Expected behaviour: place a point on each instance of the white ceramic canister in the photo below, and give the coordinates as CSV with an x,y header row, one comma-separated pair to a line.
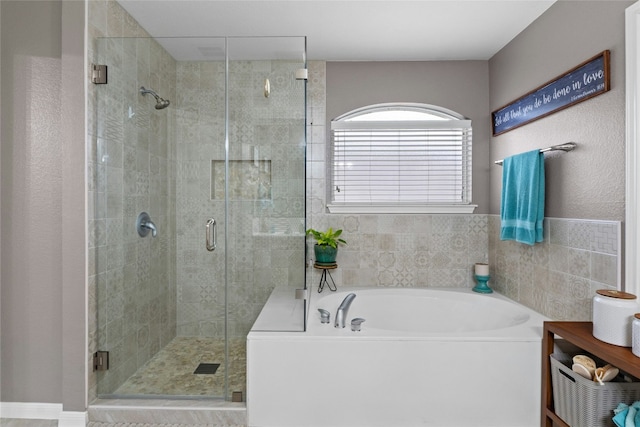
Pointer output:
x,y
613,313
635,332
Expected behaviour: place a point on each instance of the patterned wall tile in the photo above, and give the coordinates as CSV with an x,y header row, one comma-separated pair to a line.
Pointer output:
x,y
559,258
576,259
559,232
606,238
579,263
604,268
580,234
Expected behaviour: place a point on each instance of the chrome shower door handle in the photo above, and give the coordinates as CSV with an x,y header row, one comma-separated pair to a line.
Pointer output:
x,y
211,244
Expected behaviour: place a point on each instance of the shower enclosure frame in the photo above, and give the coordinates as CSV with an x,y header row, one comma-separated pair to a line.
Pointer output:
x,y
107,142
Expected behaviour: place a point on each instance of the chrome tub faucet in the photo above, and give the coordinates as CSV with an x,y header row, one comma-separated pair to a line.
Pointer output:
x,y
341,314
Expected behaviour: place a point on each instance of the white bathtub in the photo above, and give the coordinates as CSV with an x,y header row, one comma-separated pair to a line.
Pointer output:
x,y
424,357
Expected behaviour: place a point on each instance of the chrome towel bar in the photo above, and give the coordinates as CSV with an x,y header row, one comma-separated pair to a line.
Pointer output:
x,y
569,146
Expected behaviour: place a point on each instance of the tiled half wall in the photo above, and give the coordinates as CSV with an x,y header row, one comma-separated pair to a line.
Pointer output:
x,y
557,277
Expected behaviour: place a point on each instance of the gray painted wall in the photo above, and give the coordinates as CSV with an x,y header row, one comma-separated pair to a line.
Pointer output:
x,y
461,86
589,182
0,202
74,264
42,221
31,207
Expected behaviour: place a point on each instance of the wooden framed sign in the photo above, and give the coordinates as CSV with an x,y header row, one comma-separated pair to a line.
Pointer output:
x,y
589,79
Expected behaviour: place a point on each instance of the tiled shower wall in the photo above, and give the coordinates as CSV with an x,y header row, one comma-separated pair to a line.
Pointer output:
x,y
557,277
266,200
200,137
267,231
131,162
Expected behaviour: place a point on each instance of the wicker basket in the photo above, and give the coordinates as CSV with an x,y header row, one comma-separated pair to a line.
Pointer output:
x,y
584,403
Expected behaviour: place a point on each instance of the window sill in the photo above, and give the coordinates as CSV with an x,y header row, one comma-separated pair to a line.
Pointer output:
x,y
401,209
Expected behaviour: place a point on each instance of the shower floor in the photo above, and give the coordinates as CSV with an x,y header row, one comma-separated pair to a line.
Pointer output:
x,y
170,371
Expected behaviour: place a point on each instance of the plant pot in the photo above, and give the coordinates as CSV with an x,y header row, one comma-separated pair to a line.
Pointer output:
x,y
325,254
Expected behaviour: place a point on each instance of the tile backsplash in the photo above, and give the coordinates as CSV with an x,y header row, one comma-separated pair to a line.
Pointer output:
x,y
408,250
559,276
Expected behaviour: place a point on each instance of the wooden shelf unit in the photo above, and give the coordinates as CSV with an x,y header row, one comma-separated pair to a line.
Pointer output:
x,y
579,334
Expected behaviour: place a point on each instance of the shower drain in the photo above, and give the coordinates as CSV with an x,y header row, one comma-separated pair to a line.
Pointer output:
x,y
207,368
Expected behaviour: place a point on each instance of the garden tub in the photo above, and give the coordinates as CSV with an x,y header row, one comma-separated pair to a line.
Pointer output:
x,y
423,357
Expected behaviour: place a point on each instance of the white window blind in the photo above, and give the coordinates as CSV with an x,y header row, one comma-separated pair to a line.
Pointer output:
x,y
410,162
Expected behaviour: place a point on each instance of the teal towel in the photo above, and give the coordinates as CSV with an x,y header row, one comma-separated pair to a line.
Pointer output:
x,y
627,416
522,208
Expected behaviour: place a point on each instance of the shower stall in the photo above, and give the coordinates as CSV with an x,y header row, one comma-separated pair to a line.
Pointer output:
x,y
197,183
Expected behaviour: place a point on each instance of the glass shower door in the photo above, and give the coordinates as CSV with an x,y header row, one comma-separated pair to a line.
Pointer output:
x,y
257,187
266,198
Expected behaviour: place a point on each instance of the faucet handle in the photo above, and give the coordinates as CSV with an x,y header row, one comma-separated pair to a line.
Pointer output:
x,y
356,324
144,225
325,316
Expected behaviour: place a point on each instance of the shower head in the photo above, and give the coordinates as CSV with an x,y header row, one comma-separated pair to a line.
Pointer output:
x,y
160,102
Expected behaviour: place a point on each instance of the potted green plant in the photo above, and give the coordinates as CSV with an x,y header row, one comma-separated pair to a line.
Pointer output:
x,y
326,247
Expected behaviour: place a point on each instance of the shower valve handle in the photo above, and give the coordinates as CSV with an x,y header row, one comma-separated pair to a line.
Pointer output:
x,y
144,225
211,244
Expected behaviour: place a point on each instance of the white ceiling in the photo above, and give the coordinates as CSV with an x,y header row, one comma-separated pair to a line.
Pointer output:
x,y
355,30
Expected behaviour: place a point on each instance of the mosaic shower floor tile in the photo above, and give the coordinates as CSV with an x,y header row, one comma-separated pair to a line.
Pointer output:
x,y
171,371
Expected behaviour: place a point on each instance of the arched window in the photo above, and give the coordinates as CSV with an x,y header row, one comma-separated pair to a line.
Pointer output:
x,y
401,158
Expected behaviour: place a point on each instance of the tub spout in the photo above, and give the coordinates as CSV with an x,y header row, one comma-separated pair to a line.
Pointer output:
x,y
341,314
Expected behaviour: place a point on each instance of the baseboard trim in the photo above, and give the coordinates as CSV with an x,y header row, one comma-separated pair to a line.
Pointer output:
x,y
43,411
33,411
72,419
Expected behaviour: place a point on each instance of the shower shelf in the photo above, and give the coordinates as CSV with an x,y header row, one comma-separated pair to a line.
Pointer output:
x,y
278,227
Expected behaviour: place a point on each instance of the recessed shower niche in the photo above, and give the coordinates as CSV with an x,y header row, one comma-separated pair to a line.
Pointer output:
x,y
248,180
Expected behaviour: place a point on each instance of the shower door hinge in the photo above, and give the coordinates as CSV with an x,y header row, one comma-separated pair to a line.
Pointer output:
x,y
302,74
301,294
100,360
99,74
